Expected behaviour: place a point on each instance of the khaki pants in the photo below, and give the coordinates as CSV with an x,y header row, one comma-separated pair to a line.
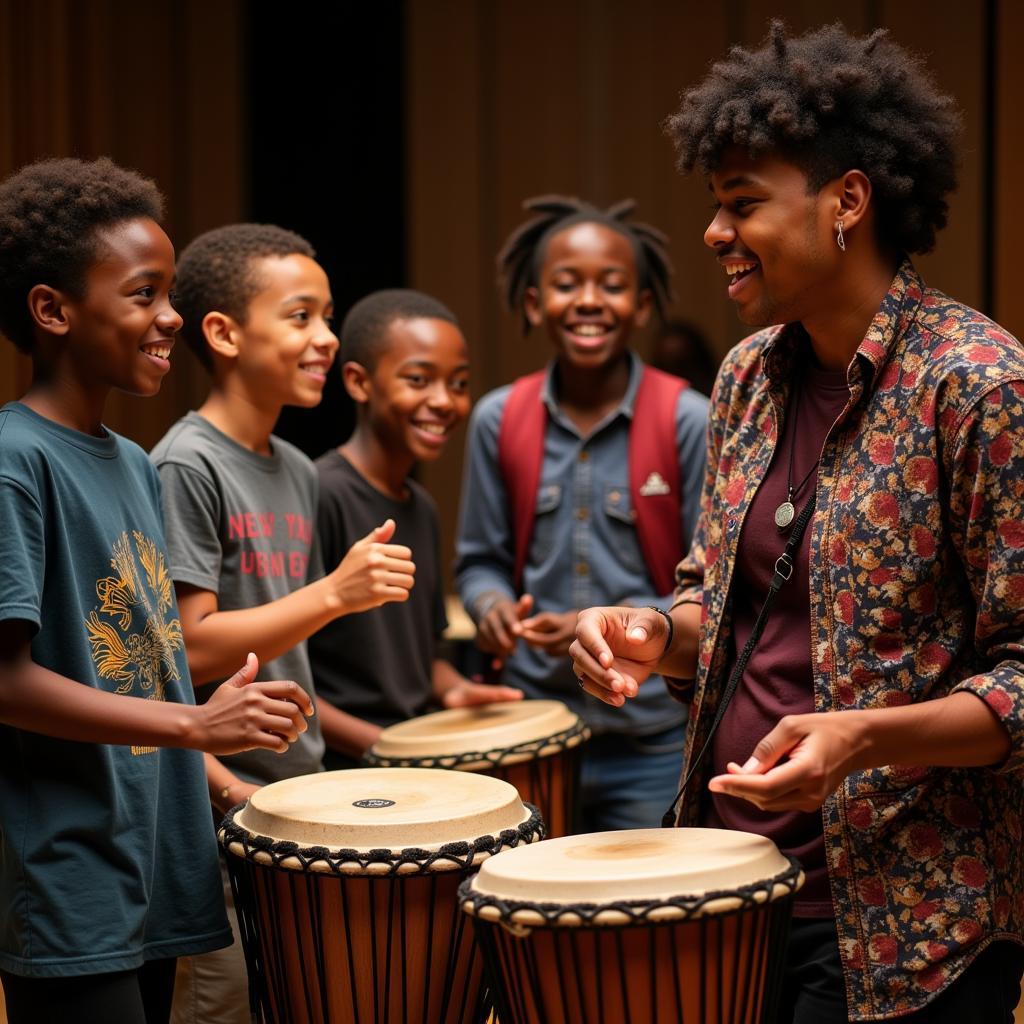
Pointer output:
x,y
213,988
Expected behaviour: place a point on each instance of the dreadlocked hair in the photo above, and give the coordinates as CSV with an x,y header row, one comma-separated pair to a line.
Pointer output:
x,y
521,257
829,102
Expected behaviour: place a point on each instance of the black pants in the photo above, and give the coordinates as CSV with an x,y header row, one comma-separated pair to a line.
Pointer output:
x,y
814,991
142,996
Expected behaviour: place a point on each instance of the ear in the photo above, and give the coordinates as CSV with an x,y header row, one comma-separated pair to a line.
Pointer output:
x,y
531,306
644,305
222,334
356,379
852,195
47,307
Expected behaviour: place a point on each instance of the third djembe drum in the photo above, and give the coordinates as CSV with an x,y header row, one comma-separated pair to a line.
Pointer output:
x,y
533,744
673,926
345,885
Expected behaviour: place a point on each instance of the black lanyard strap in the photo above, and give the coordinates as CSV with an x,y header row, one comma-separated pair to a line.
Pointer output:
x,y
783,571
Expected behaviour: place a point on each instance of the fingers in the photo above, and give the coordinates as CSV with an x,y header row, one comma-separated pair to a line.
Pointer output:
x,y
505,693
783,788
496,628
280,690
383,533
590,637
247,673
524,606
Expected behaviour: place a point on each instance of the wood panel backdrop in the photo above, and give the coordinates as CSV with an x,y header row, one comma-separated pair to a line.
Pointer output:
x,y
503,99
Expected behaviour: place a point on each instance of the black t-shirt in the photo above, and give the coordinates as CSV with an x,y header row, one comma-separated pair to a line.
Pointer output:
x,y
377,664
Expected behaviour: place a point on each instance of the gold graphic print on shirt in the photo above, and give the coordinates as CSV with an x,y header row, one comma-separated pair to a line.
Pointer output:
x,y
132,640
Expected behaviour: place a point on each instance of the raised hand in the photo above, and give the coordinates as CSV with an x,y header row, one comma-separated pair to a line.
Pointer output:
x,y
373,572
243,714
551,632
498,629
616,649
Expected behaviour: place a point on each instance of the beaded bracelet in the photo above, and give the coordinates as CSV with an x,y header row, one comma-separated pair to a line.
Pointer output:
x,y
671,627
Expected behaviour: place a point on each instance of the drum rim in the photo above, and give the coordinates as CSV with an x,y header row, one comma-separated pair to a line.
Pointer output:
x,y
288,855
521,916
497,757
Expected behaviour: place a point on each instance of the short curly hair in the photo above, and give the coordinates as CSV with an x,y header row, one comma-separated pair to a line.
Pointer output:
x,y
365,327
50,212
216,274
830,101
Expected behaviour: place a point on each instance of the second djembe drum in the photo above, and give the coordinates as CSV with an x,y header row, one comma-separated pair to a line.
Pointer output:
x,y
533,744
673,926
345,885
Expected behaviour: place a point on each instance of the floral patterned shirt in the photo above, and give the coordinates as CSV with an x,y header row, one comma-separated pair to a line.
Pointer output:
x,y
917,590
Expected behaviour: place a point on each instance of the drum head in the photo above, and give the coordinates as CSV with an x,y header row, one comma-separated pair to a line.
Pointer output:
x,y
383,809
642,864
484,727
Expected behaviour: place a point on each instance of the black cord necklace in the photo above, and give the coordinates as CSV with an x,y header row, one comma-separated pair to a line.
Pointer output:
x,y
786,512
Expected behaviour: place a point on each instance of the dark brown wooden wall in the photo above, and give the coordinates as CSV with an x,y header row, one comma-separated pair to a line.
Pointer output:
x,y
515,98
157,85
505,99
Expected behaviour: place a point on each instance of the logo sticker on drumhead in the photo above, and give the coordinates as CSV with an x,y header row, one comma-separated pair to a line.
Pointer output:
x,y
373,803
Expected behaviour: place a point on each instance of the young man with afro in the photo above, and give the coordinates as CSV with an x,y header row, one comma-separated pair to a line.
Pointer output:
x,y
108,867
877,730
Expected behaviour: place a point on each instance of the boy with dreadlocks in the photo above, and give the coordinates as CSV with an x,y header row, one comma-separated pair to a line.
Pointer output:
x,y
876,728
579,479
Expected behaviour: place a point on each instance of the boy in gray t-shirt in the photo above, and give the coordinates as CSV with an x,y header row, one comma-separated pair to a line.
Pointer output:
x,y
240,506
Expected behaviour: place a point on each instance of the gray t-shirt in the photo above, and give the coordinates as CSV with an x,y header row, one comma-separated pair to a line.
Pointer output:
x,y
243,525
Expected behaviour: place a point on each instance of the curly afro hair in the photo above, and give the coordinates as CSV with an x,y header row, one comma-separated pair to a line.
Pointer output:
x,y
364,329
522,255
216,273
830,102
50,212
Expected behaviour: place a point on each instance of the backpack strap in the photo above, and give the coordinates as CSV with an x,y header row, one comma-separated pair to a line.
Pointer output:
x,y
520,456
654,479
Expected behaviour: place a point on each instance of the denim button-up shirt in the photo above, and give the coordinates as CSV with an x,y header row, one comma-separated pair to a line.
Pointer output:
x,y
916,590
584,550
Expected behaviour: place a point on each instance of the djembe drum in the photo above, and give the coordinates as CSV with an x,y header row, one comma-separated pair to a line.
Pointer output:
x,y
532,744
345,885
651,925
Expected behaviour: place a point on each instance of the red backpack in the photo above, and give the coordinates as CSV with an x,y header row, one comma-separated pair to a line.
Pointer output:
x,y
654,479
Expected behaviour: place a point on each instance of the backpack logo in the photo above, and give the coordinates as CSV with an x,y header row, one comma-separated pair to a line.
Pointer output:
x,y
654,485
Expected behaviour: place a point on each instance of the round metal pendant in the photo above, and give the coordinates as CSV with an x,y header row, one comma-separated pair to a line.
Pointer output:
x,y
784,515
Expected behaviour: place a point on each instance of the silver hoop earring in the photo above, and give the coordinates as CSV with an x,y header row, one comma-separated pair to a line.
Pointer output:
x,y
840,241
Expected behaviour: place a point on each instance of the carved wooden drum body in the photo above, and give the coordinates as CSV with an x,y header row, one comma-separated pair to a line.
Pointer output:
x,y
345,885
674,926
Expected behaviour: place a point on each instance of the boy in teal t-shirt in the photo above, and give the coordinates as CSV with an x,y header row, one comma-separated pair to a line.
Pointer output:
x,y
107,858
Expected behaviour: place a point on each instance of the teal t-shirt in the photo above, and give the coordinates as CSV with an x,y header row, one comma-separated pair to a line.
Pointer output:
x,y
107,853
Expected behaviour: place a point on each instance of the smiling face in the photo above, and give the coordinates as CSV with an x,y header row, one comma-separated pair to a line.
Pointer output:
x,y
287,345
774,238
418,391
120,332
588,297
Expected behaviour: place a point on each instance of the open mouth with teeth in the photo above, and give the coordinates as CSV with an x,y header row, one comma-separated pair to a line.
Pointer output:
x,y
738,272
157,349
318,369
437,429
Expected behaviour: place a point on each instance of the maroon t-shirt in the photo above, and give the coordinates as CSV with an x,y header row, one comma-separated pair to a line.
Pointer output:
x,y
778,679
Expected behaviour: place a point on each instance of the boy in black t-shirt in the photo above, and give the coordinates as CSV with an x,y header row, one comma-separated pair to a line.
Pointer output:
x,y
405,365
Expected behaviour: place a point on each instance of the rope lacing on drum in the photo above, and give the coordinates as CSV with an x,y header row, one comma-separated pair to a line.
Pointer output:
x,y
757,894
456,856
560,741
